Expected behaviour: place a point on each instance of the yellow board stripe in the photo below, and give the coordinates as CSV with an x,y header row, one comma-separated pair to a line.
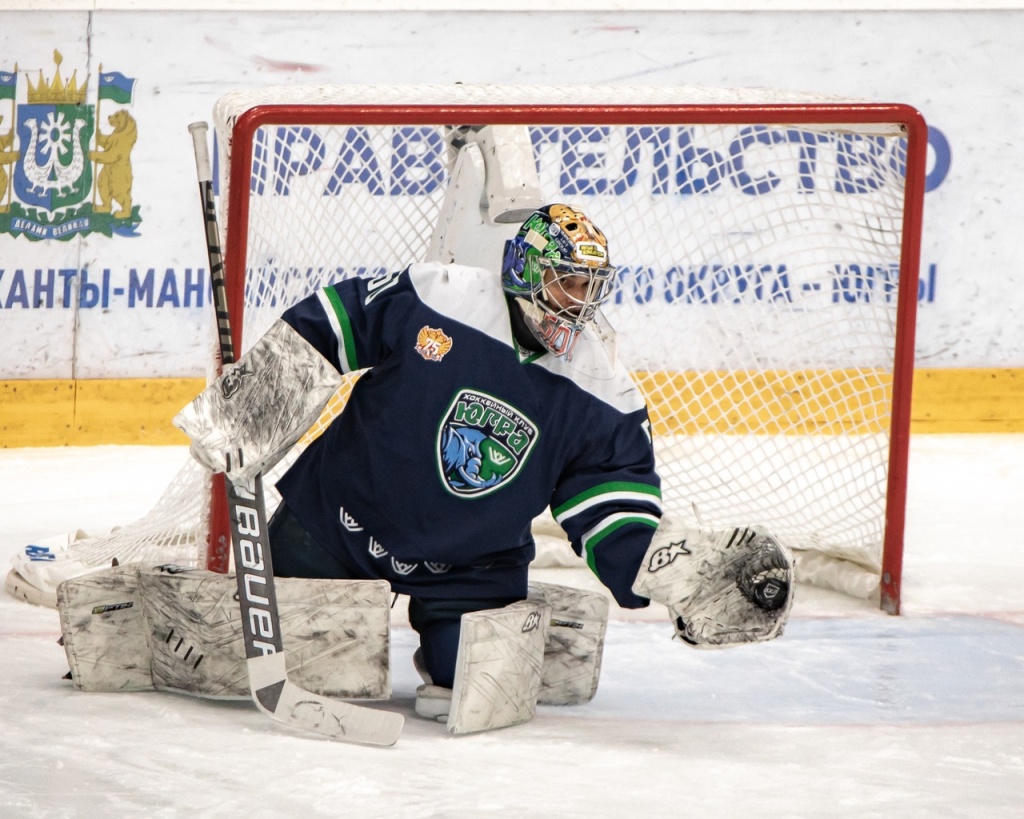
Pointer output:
x,y
139,411
91,412
968,400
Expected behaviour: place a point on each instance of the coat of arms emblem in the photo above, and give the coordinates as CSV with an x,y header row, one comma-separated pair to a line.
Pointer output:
x,y
62,173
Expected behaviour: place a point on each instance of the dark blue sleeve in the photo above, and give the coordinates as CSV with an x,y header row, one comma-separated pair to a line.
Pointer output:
x,y
609,501
350,322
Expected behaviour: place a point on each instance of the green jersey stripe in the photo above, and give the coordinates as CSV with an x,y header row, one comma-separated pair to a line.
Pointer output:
x,y
615,490
342,326
608,525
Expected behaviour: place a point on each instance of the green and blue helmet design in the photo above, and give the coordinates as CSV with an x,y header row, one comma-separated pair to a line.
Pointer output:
x,y
557,267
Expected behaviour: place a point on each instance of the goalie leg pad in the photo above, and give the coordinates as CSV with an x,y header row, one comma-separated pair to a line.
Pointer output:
x,y
247,420
574,643
336,634
498,671
104,631
132,628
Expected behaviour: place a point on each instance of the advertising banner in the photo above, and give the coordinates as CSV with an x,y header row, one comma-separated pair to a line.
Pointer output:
x,y
103,270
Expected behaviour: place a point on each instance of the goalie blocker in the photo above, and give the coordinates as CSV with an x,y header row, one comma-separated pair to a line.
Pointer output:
x,y
721,588
249,418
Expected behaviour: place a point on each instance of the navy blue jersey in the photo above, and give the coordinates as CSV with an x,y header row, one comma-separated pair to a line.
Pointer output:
x,y
455,439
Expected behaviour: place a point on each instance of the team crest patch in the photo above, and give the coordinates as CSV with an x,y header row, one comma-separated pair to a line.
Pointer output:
x,y
432,344
482,443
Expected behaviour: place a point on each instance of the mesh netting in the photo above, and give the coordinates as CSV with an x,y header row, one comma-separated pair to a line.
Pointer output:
x,y
759,268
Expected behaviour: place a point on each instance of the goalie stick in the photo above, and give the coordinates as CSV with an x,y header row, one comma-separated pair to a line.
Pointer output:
x,y
274,694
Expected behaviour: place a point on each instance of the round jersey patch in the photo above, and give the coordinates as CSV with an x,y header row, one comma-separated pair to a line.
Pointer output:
x,y
482,443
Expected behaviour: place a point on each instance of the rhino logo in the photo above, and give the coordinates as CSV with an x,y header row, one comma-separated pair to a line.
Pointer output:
x,y
482,444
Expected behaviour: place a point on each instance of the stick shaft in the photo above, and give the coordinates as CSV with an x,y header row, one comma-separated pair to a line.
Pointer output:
x,y
271,689
213,247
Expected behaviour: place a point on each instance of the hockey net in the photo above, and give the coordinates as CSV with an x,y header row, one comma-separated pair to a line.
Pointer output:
x,y
767,247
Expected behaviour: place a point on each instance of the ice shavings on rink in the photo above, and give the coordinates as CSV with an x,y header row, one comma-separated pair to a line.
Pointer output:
x,y
852,713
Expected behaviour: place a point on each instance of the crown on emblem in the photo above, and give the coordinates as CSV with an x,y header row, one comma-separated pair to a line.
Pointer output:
x,y
56,91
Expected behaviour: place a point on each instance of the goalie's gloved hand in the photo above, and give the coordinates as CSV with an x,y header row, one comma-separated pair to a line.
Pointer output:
x,y
766,576
247,419
721,588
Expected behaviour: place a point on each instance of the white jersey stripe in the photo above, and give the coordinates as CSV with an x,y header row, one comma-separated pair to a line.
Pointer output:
x,y
605,526
609,497
604,523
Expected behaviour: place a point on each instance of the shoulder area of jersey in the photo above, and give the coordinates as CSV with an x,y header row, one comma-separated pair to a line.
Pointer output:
x,y
470,295
453,276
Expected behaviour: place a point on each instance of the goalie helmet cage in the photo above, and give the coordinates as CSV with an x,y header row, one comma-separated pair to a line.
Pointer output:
x,y
768,251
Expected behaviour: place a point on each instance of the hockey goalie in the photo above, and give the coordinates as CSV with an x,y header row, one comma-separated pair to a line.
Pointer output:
x,y
489,396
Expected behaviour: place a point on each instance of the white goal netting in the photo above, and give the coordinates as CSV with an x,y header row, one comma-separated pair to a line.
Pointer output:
x,y
766,247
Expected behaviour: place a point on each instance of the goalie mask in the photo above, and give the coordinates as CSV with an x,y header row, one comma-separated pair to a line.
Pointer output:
x,y
556,267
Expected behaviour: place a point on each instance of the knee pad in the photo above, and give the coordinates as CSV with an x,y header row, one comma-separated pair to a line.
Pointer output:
x,y
574,643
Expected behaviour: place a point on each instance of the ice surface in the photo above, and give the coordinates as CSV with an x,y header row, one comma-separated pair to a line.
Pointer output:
x,y
851,713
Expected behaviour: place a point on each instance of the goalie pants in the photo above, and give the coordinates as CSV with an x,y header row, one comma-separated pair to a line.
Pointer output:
x,y
437,621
